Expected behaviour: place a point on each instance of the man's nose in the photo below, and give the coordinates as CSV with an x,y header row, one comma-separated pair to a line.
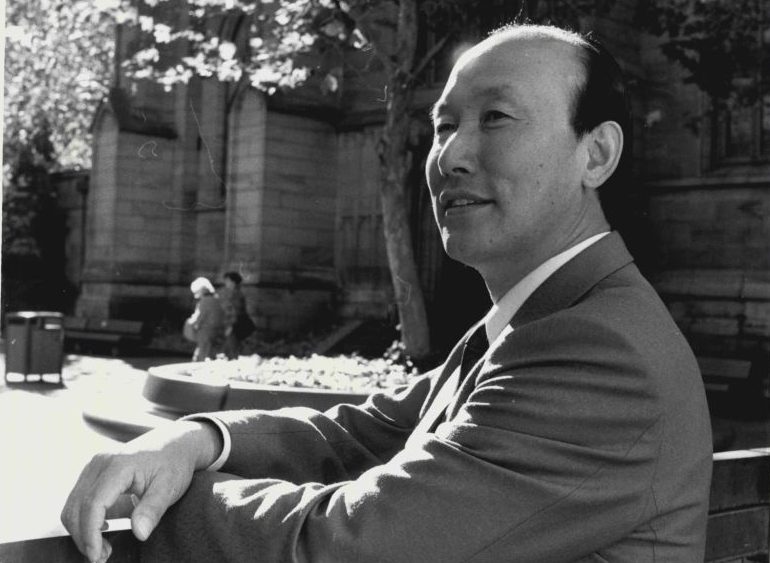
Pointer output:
x,y
457,155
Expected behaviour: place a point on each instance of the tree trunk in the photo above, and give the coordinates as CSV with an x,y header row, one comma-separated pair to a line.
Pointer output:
x,y
392,151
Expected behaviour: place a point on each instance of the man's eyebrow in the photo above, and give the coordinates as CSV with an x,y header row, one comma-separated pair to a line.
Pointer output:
x,y
505,92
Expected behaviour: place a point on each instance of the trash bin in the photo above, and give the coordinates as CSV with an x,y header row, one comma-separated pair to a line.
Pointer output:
x,y
34,346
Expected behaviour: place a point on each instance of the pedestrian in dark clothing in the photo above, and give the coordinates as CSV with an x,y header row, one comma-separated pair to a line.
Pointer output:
x,y
238,324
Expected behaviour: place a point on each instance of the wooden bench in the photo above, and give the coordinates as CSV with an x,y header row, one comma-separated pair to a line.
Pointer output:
x,y
112,332
738,522
739,507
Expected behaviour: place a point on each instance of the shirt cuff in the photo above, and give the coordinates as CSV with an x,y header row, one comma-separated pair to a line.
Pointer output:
x,y
223,431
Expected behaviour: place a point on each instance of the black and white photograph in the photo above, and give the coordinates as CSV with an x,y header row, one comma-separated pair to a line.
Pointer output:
x,y
385,281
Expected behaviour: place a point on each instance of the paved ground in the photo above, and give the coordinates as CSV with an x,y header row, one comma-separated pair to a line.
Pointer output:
x,y
44,441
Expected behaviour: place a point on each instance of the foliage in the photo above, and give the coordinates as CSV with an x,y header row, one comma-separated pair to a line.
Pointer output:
x,y
57,67
720,43
27,178
58,63
30,276
279,44
58,59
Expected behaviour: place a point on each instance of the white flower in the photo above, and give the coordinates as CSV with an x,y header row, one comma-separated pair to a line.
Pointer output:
x,y
146,23
162,33
227,50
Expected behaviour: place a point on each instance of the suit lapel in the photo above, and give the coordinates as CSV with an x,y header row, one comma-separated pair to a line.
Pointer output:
x,y
574,279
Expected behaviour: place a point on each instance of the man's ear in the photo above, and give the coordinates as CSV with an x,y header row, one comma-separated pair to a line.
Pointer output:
x,y
604,146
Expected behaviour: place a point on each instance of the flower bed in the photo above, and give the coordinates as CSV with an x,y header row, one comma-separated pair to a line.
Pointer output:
x,y
341,373
315,381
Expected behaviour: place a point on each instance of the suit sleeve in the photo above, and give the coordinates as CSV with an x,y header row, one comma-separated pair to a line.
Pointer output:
x,y
300,444
548,458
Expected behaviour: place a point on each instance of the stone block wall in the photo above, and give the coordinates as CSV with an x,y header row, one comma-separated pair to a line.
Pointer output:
x,y
143,222
714,246
710,223
300,195
282,189
360,258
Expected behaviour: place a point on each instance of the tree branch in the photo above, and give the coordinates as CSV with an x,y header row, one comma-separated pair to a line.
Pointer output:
x,y
361,25
420,66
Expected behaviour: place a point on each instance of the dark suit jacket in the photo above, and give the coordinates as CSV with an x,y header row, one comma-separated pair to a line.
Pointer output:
x,y
582,435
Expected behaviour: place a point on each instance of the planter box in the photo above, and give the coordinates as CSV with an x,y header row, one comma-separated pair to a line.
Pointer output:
x,y
172,391
169,394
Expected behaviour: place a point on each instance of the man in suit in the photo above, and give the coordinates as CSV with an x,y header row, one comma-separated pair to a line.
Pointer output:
x,y
569,424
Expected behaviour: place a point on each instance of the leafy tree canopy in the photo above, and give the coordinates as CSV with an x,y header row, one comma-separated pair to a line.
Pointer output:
x,y
58,63
724,45
275,44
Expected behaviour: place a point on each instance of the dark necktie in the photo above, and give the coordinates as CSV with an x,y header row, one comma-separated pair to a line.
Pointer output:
x,y
473,350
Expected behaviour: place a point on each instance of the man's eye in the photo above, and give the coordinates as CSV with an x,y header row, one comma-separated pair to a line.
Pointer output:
x,y
492,116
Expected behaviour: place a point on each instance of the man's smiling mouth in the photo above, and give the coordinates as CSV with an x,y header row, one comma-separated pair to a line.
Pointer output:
x,y
461,204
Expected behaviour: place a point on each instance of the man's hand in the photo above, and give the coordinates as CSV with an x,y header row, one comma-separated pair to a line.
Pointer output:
x,y
157,468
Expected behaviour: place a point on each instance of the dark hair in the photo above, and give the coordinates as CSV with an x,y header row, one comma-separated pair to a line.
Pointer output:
x,y
602,96
235,276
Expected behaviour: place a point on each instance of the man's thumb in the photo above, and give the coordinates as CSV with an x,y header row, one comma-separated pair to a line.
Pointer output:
x,y
143,521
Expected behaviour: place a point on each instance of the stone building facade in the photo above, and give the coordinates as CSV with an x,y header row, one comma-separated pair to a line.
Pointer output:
x,y
283,189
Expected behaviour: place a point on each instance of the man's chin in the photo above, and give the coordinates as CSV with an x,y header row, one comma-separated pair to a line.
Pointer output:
x,y
461,251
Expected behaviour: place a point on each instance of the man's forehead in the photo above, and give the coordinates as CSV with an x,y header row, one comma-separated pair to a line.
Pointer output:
x,y
509,68
508,52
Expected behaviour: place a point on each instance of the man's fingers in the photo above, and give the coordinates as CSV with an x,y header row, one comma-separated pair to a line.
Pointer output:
x,y
70,515
122,508
91,519
111,482
105,553
156,467
161,493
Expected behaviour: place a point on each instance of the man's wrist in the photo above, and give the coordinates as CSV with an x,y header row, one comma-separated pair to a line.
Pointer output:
x,y
220,442
208,442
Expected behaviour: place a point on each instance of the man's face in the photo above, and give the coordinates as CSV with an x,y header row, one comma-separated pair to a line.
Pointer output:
x,y
505,168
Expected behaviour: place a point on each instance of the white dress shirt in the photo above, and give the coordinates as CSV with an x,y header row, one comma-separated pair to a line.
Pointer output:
x,y
501,313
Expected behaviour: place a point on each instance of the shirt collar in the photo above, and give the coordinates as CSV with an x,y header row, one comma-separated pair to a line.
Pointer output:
x,y
503,311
